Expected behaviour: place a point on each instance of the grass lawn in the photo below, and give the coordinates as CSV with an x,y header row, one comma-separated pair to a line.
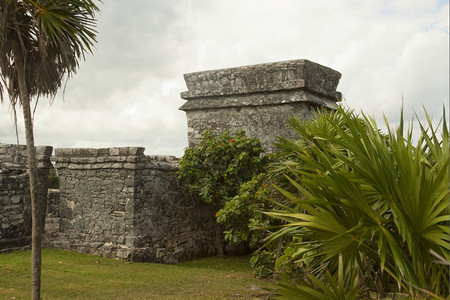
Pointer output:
x,y
69,275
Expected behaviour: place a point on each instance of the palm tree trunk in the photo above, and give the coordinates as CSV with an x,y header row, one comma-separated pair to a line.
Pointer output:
x,y
36,229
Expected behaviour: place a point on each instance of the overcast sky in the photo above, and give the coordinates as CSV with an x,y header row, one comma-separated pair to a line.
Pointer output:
x,y
128,92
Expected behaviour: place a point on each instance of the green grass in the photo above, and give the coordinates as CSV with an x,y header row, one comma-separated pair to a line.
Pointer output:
x,y
69,275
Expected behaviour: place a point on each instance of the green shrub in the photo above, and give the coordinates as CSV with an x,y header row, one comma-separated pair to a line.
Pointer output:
x,y
243,212
262,263
216,169
379,203
245,222
219,165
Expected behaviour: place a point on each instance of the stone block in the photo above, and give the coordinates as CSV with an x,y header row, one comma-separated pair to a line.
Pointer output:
x,y
44,150
116,166
136,151
16,199
114,151
123,253
131,241
130,166
123,151
63,152
92,152
77,151
103,151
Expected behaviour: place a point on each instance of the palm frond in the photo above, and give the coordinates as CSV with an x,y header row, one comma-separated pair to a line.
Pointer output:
x,y
358,189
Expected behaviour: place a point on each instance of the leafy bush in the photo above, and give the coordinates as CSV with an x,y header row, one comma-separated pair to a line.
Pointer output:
x,y
262,262
219,165
245,222
216,169
379,203
243,212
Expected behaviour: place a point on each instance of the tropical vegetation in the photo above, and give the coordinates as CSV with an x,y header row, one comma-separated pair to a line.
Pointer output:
x,y
218,166
245,223
366,213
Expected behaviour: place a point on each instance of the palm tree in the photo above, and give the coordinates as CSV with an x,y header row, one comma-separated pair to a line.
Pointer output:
x,y
41,42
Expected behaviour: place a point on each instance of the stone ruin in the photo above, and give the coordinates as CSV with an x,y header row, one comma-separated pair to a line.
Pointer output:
x,y
15,205
121,203
118,202
258,98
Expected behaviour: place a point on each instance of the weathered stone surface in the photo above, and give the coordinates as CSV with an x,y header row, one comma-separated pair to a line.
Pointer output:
x,y
268,77
117,202
258,98
53,203
15,205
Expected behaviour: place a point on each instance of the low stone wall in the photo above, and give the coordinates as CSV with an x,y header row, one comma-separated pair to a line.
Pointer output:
x,y
118,202
15,205
172,225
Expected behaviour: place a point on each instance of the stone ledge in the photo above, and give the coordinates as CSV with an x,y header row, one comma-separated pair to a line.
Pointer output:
x,y
97,166
15,157
268,77
100,158
162,162
131,158
259,99
89,152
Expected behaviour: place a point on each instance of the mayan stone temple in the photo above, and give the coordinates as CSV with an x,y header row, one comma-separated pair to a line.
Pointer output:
x,y
121,203
258,98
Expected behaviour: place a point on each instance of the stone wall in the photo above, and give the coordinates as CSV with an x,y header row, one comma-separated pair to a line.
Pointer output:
x,y
172,225
15,205
53,203
118,202
258,98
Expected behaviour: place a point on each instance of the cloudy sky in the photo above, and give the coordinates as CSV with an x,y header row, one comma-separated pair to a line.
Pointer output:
x,y
128,92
